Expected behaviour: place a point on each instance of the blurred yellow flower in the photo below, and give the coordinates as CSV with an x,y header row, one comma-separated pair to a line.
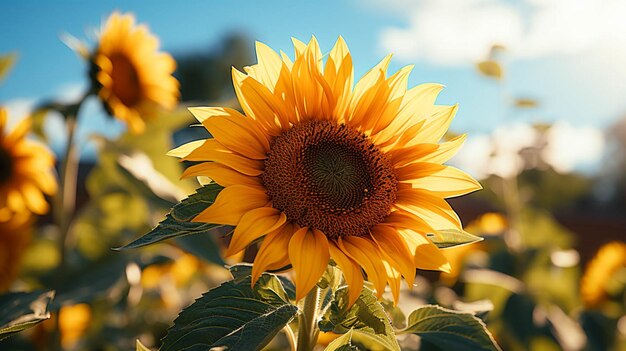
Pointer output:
x,y
73,322
608,260
26,171
134,80
490,223
15,235
324,170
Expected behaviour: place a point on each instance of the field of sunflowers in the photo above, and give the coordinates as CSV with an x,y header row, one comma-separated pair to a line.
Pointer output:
x,y
258,199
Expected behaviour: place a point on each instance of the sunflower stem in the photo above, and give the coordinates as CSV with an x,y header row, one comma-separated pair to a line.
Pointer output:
x,y
65,200
307,324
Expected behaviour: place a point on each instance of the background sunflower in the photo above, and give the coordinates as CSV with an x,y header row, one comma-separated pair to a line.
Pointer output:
x,y
26,171
133,79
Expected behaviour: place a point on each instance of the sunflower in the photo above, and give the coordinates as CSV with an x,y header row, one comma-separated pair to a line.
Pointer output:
x,y
26,171
15,234
610,258
323,170
133,79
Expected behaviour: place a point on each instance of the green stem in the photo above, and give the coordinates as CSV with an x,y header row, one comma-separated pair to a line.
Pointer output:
x,y
307,323
66,198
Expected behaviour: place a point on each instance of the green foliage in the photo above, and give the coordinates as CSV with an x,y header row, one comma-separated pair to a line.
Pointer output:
x,y
234,316
342,343
19,311
366,320
450,330
178,222
453,237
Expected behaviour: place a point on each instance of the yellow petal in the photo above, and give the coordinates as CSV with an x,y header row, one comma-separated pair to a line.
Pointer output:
x,y
269,64
19,132
222,175
232,203
212,150
34,199
395,250
237,135
445,151
401,156
428,206
351,272
407,220
185,149
253,225
447,182
426,254
436,126
371,77
366,255
417,170
417,105
309,255
274,251
394,279
252,128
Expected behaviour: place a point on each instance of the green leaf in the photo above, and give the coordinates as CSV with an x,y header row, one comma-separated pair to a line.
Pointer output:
x,y
243,270
366,318
201,246
89,283
178,221
342,343
19,311
140,347
450,330
6,63
233,316
452,237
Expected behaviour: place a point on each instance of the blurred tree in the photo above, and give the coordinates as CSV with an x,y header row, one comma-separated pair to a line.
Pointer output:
x,y
206,75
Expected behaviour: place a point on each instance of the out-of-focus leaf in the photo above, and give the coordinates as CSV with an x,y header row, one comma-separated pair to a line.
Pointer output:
x,y
450,330
178,221
90,283
366,318
141,172
490,69
525,103
518,318
201,246
38,118
20,310
452,237
342,343
233,316
6,63
140,347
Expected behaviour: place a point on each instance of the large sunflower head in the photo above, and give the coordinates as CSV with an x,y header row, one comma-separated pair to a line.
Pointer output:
x,y
609,259
26,171
133,79
323,169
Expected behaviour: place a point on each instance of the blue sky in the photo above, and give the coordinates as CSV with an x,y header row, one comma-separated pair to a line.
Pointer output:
x,y
568,55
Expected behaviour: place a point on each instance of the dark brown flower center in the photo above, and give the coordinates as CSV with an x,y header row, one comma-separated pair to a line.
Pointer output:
x,y
126,85
329,177
6,166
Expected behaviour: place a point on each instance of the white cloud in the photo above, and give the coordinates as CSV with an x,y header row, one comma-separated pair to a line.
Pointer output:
x,y
462,31
569,148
